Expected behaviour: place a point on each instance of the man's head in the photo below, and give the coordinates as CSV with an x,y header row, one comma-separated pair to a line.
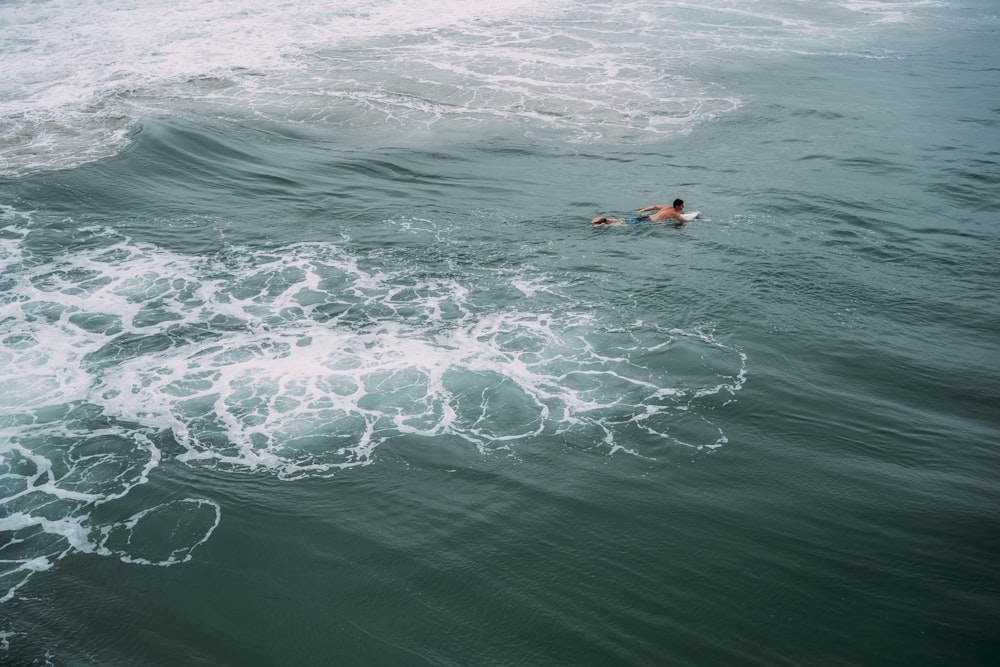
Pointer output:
x,y
678,204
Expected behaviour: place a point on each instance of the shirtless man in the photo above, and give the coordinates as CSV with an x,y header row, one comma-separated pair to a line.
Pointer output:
x,y
663,212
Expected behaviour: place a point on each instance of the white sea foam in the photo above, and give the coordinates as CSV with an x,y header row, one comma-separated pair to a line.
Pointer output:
x,y
149,537
267,348
299,363
80,74
882,11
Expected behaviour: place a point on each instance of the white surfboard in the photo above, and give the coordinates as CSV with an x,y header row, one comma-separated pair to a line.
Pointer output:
x,y
688,217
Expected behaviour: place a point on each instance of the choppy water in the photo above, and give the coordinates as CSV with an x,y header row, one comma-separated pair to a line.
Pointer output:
x,y
309,354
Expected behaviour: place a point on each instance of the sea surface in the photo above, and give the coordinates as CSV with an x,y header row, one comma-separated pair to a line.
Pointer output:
x,y
309,354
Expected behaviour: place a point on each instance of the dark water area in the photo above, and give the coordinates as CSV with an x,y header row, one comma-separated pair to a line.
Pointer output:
x,y
318,360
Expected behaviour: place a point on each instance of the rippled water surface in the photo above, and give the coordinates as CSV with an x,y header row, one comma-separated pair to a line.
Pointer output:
x,y
310,355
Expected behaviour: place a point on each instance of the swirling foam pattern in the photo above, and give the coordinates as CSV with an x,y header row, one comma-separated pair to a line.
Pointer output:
x,y
83,74
301,362
87,72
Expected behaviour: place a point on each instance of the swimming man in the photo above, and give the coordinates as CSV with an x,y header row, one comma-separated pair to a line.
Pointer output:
x,y
663,212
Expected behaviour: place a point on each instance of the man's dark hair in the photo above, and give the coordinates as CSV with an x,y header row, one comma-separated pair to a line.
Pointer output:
x,y
678,202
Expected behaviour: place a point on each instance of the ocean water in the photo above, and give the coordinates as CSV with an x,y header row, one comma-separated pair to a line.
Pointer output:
x,y
309,354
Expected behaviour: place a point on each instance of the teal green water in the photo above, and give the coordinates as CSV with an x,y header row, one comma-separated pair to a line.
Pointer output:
x,y
310,355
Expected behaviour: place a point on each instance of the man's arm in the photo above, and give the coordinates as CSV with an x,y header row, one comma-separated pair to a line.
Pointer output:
x,y
652,208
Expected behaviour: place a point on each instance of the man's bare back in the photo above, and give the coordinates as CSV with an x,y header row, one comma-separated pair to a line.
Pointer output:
x,y
662,212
